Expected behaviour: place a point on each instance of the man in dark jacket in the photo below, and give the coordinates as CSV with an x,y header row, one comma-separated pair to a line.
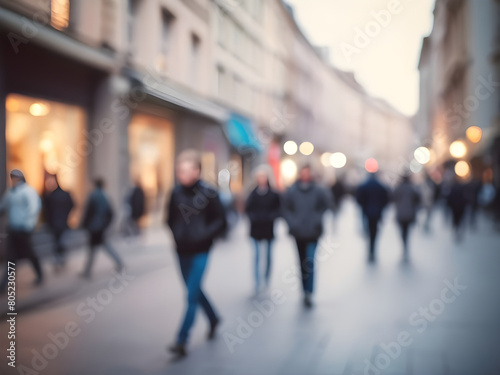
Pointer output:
x,y
373,197
304,204
57,205
196,217
96,219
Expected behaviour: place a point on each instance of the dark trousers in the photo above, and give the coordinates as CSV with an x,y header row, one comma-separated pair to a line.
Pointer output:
x,y
19,246
405,229
306,250
192,269
372,233
59,248
98,239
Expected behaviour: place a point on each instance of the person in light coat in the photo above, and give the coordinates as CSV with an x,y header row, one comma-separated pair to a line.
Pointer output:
x,y
22,206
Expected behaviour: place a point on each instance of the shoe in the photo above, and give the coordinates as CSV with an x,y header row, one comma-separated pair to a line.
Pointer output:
x,y
213,328
307,300
178,349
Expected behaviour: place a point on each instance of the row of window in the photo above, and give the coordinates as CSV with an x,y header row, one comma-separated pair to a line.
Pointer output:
x,y
234,38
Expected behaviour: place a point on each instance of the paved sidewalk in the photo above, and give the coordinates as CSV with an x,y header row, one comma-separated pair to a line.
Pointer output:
x,y
143,252
436,315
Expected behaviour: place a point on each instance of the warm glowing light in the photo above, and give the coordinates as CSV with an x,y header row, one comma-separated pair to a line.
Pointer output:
x,y
306,148
288,169
474,134
39,109
46,145
338,160
12,104
60,14
290,148
371,165
462,169
325,159
458,149
422,155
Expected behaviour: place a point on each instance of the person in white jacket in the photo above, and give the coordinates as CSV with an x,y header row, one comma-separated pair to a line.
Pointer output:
x,y
22,206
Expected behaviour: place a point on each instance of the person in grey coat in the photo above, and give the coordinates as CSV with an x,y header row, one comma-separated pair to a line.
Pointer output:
x,y
304,204
406,199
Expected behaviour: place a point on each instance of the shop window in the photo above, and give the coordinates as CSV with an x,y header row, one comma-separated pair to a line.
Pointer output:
x,y
45,137
151,148
59,14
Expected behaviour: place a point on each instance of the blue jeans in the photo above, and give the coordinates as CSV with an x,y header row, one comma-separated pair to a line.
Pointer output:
x,y
257,261
307,250
192,269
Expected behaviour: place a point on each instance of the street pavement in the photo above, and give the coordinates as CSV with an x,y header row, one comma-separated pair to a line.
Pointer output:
x,y
435,314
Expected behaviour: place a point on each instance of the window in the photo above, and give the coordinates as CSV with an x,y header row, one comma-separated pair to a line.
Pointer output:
x,y
167,22
219,80
133,7
59,14
194,59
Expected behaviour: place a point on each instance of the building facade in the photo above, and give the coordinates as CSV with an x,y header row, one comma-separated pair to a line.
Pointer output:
x,y
459,86
115,89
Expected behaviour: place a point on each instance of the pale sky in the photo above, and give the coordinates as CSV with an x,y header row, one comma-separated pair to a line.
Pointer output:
x,y
385,58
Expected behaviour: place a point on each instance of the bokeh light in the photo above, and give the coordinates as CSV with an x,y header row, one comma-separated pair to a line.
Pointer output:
x,y
458,149
290,148
306,148
371,165
288,169
416,166
462,168
422,155
39,109
338,160
325,159
474,134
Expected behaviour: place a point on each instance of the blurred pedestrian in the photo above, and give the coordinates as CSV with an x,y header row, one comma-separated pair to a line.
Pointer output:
x,y
196,217
57,204
339,192
457,203
304,204
406,199
372,197
22,205
262,208
97,217
428,195
136,207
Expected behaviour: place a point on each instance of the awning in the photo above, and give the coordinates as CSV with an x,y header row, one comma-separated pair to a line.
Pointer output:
x,y
241,134
178,98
